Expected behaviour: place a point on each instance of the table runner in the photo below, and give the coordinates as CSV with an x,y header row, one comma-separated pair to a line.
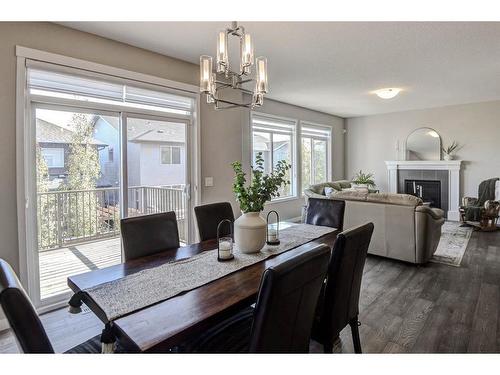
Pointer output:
x,y
147,287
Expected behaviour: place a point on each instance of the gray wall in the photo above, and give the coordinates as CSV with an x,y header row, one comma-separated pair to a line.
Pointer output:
x,y
221,132
371,140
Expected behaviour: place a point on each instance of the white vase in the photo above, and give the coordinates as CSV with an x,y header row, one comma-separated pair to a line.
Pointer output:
x,y
250,232
447,157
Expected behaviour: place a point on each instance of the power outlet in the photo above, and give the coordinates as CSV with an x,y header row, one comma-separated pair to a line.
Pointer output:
x,y
209,181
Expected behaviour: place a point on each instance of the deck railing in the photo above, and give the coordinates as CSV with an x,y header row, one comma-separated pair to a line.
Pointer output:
x,y
76,216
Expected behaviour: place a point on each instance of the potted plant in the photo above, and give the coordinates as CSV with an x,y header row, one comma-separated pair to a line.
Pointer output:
x,y
449,151
250,227
363,180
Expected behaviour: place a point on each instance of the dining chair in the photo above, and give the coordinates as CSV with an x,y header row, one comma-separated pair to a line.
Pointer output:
x,y
24,320
149,234
338,304
283,315
325,212
209,216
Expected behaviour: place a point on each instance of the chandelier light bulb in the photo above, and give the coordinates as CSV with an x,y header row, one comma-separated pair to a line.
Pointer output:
x,y
205,73
222,59
261,84
246,53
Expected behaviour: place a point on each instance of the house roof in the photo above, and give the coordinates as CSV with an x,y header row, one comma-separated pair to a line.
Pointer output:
x,y
140,130
48,132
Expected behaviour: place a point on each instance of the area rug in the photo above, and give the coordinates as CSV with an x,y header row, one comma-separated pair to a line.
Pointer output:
x,y
452,245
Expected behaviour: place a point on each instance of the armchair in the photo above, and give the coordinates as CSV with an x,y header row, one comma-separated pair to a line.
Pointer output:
x,y
483,212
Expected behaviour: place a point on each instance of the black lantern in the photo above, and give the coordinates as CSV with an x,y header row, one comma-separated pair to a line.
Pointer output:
x,y
273,234
225,243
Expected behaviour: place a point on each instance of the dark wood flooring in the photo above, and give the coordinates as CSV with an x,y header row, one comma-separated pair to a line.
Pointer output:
x,y
404,308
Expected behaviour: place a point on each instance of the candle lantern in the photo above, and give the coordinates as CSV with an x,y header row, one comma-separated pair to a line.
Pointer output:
x,y
272,234
225,243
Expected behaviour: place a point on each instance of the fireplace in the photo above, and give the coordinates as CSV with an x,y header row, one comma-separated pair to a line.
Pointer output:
x,y
447,172
429,191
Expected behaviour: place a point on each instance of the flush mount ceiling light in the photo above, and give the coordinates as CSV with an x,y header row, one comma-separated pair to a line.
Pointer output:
x,y
387,93
228,77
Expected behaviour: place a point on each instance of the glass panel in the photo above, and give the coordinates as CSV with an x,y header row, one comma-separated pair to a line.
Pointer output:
x,y
77,196
156,159
262,144
320,161
166,155
282,150
306,163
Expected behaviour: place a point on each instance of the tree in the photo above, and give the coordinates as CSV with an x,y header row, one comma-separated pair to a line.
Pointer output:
x,y
83,171
47,234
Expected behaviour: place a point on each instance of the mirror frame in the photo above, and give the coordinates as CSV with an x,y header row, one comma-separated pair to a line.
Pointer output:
x,y
430,129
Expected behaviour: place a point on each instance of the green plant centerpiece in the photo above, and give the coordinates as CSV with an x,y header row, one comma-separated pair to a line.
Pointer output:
x,y
364,180
250,227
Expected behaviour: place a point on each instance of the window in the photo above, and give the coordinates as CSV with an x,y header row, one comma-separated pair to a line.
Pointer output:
x,y
54,157
170,155
315,144
275,139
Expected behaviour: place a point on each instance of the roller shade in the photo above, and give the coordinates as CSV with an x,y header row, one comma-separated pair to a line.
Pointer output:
x,y
85,88
271,124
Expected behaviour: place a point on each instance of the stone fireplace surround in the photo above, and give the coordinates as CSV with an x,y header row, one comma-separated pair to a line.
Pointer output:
x,y
448,172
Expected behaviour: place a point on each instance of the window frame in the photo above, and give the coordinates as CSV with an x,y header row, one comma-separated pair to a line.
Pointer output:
x,y
171,147
329,151
294,124
60,150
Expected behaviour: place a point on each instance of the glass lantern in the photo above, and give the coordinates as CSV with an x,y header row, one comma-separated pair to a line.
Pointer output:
x,y
273,232
225,243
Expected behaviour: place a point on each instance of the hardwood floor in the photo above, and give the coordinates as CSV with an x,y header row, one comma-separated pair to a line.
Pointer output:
x,y
404,308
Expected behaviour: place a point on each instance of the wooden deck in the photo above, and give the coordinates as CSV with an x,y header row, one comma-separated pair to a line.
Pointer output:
x,y
56,265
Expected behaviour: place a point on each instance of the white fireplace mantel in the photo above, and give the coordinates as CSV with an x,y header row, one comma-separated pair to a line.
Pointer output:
x,y
452,166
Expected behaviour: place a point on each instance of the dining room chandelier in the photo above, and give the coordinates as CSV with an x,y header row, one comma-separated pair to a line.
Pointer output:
x,y
226,77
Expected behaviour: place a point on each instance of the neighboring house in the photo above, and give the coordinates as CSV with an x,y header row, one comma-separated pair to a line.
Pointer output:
x,y
54,141
156,152
262,144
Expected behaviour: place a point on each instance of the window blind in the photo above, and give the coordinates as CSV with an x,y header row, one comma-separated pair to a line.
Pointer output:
x,y
79,87
315,131
271,124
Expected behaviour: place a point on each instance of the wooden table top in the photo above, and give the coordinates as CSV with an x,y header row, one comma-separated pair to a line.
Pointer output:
x,y
166,324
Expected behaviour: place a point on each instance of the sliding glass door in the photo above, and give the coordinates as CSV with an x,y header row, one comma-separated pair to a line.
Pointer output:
x,y
92,169
157,168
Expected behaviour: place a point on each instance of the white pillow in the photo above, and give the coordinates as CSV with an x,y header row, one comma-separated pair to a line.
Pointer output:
x,y
329,190
497,190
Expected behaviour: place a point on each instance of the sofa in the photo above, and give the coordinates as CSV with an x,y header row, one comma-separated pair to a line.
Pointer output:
x,y
405,228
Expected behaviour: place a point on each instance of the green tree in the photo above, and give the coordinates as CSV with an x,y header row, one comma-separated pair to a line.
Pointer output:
x,y
83,173
47,235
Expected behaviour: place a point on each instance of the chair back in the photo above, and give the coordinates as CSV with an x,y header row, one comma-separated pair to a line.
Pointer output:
x,y
325,212
341,296
149,234
209,216
21,314
286,303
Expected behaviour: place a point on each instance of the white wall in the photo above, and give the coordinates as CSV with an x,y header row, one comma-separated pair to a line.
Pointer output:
x,y
371,140
153,172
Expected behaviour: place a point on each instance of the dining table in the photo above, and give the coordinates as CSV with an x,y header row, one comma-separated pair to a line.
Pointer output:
x,y
167,323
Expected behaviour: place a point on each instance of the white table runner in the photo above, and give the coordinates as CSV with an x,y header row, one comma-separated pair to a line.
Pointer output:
x,y
147,287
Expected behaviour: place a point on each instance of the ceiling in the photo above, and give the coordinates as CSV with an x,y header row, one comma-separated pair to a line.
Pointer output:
x,y
333,66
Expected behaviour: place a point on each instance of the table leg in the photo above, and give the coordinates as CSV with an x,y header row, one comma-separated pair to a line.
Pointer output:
x,y
75,304
108,339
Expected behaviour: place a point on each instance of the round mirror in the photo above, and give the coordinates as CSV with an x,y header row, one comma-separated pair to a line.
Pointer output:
x,y
423,144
